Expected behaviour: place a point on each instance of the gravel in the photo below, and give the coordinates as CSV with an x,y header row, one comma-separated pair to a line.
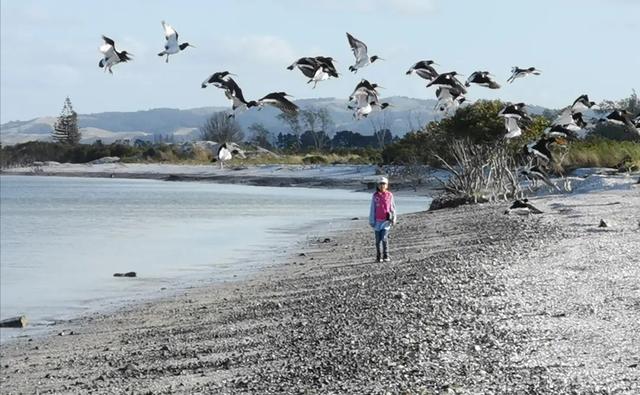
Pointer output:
x,y
473,301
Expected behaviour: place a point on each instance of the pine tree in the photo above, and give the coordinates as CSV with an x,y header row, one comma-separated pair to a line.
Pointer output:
x,y
66,129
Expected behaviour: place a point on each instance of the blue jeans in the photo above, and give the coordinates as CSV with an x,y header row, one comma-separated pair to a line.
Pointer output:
x,y
382,243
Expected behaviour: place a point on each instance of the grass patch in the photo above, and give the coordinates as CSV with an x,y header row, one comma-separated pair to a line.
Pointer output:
x,y
597,152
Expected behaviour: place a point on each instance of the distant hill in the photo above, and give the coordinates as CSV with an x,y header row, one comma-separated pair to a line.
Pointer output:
x,y
403,115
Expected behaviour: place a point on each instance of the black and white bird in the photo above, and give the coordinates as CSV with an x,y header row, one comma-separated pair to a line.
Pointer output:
x,y
424,70
366,91
448,99
540,149
360,52
233,92
581,104
567,124
482,78
278,100
517,72
364,109
512,113
562,131
512,127
522,207
218,79
536,173
171,47
316,69
448,81
515,111
366,98
224,154
111,55
622,118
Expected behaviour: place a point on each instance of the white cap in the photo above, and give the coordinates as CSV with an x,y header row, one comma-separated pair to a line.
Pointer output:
x,y
383,180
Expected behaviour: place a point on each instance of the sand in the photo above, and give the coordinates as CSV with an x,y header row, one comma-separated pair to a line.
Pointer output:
x,y
473,301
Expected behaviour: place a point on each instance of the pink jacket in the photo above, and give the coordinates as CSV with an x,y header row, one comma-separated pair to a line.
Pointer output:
x,y
381,205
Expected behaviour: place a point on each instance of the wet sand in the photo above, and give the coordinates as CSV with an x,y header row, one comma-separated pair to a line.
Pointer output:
x,y
474,301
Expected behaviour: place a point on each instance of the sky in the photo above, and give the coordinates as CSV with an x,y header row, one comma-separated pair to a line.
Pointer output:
x,y
49,49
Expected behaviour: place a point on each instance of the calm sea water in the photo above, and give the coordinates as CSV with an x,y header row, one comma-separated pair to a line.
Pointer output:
x,y
62,238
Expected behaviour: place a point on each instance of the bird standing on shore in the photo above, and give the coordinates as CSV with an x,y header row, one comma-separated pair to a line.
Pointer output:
x,y
111,55
172,47
522,207
360,52
424,70
224,154
517,72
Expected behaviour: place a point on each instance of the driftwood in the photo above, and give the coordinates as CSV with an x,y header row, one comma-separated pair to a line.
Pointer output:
x,y
481,173
14,322
127,274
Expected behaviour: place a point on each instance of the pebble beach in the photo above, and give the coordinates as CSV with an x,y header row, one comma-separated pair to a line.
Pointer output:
x,y
473,301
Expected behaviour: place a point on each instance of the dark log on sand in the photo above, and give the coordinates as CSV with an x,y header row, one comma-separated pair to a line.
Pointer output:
x,y
127,274
14,322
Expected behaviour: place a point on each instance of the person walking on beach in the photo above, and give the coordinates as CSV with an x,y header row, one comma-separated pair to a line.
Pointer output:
x,y
381,216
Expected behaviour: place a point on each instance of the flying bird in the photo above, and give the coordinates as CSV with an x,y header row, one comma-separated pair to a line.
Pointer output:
x,y
535,173
517,72
317,69
514,111
581,104
278,100
562,131
482,78
424,70
218,79
622,118
449,81
234,93
365,89
363,110
360,52
172,47
512,127
111,55
540,149
449,98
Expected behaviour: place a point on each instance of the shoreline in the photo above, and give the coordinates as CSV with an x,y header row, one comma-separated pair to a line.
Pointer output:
x,y
473,301
350,177
248,261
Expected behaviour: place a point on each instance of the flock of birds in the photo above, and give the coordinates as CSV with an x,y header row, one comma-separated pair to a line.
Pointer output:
x,y
365,98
